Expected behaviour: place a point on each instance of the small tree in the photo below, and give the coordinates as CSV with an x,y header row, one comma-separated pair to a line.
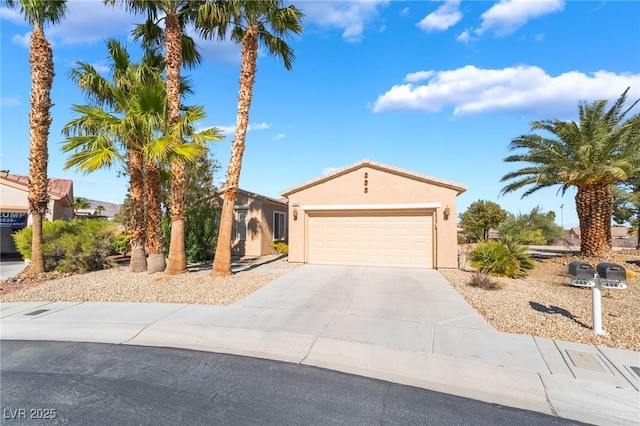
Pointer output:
x,y
626,205
480,217
531,228
100,210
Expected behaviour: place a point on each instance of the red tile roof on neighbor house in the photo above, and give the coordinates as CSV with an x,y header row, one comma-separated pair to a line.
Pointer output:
x,y
56,187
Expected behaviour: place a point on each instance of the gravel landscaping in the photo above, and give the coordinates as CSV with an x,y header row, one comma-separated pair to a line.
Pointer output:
x,y
545,304
542,304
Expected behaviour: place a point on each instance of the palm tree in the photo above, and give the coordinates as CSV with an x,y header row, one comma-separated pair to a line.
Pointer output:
x,y
139,127
179,49
80,203
599,151
251,23
39,13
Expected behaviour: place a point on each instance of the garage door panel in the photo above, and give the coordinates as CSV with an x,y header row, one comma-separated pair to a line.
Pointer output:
x,y
370,238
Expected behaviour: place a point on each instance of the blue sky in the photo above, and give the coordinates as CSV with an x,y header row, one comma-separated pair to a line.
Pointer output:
x,y
439,88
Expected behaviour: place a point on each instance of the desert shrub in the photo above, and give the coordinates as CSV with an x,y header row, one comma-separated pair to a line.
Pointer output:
x,y
281,247
532,237
519,252
121,243
200,231
504,258
80,245
484,281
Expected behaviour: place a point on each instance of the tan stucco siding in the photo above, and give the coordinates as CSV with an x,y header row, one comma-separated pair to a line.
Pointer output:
x,y
382,188
259,225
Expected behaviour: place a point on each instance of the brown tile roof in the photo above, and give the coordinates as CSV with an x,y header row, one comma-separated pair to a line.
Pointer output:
x,y
56,187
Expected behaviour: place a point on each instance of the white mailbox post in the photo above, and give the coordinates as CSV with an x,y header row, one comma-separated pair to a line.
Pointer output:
x,y
607,275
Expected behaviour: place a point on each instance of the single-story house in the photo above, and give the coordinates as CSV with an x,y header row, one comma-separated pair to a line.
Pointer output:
x,y
14,205
373,214
620,237
259,222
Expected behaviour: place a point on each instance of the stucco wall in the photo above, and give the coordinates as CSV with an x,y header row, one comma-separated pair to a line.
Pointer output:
x,y
383,187
259,226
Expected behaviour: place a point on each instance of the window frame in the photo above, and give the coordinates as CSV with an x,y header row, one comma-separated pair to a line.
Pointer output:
x,y
284,225
240,211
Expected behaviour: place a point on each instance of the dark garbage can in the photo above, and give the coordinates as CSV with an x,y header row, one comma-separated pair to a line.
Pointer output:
x,y
581,270
611,271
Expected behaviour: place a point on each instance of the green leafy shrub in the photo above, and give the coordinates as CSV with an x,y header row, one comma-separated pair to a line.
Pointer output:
x,y
121,243
504,258
484,281
281,247
80,245
532,237
200,232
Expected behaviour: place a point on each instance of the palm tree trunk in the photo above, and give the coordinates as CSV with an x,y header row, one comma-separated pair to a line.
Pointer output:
x,y
137,228
222,259
155,246
41,60
595,207
177,262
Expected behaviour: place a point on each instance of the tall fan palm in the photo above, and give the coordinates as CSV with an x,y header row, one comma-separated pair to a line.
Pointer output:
x,y
591,155
125,79
251,23
137,126
39,13
178,49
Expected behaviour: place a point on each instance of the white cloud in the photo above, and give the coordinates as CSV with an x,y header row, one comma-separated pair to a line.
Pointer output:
x,y
9,102
443,18
418,76
470,90
258,126
227,130
22,39
230,130
348,16
464,37
278,137
85,22
506,16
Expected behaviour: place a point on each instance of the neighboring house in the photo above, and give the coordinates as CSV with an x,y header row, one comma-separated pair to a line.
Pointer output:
x,y
620,237
374,214
14,205
259,222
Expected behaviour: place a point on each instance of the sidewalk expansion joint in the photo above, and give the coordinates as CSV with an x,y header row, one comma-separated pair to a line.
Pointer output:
x,y
154,322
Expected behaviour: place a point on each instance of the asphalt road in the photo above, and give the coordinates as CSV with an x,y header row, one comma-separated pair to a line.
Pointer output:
x,y
89,384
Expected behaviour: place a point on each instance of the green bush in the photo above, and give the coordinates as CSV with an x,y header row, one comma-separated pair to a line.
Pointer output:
x,y
504,258
121,243
532,237
200,232
80,245
281,247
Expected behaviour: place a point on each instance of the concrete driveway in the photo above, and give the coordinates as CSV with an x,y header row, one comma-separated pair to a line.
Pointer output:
x,y
406,326
364,304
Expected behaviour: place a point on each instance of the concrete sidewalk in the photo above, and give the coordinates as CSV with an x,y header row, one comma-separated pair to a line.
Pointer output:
x,y
407,326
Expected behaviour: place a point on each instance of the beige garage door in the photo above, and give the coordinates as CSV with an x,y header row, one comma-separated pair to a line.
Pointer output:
x,y
393,238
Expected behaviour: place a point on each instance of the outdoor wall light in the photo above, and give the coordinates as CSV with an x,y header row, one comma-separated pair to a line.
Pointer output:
x,y
446,213
295,210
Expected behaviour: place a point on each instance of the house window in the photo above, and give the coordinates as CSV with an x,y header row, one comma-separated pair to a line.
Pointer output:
x,y
241,224
278,226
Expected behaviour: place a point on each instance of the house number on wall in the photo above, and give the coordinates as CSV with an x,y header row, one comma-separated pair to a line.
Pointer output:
x,y
366,182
